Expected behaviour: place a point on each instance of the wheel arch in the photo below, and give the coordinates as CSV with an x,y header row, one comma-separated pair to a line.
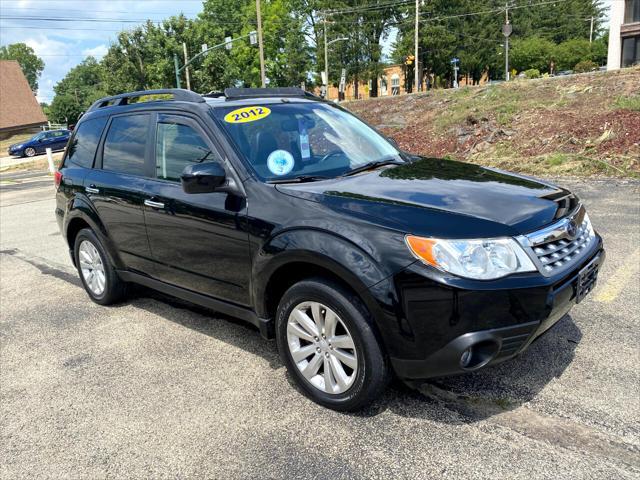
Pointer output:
x,y
296,255
83,215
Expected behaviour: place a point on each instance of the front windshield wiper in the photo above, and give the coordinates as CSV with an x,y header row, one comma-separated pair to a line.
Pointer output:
x,y
299,179
373,165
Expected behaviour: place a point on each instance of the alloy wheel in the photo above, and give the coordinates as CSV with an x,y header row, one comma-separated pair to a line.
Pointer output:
x,y
92,267
321,347
30,152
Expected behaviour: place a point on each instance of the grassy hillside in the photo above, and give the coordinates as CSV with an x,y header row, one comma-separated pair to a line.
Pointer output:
x,y
579,125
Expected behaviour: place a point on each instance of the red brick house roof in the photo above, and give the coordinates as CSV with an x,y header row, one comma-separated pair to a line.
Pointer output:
x,y
18,105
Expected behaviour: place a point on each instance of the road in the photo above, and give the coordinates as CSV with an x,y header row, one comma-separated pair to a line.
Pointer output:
x,y
157,388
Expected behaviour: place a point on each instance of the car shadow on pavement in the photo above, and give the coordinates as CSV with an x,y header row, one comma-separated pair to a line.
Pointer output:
x,y
456,400
222,327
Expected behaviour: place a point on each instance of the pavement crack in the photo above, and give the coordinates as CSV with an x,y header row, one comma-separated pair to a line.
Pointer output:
x,y
561,432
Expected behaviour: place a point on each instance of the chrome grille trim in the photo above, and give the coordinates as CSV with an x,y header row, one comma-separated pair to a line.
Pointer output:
x,y
553,249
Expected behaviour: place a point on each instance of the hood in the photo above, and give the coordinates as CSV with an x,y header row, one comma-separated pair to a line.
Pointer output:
x,y
426,195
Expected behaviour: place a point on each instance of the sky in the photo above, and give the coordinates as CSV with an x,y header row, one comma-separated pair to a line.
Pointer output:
x,y
64,44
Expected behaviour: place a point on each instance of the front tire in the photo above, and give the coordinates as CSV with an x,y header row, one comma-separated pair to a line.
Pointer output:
x,y
326,340
30,152
99,278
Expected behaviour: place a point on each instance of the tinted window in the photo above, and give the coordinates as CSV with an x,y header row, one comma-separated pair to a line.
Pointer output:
x,y
82,148
124,147
176,147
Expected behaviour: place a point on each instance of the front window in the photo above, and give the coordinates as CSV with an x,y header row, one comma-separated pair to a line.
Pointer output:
x,y
178,146
287,140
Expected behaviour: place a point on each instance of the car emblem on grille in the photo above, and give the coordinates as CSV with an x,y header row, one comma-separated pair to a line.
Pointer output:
x,y
571,230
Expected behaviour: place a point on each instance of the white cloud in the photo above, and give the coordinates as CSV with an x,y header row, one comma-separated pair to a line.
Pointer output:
x,y
97,52
62,45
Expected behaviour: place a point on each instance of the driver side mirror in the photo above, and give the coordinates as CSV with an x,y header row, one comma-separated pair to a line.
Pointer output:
x,y
203,178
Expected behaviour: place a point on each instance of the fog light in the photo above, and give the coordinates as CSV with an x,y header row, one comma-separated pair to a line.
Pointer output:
x,y
465,358
479,354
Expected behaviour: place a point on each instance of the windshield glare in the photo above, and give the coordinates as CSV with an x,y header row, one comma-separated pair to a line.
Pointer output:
x,y
287,140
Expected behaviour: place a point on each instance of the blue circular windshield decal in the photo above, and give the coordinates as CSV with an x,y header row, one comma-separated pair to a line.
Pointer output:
x,y
280,162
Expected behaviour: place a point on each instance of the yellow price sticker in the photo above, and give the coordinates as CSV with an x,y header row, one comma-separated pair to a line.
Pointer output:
x,y
247,114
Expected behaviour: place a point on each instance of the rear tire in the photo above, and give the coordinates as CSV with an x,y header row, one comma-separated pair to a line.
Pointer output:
x,y
98,276
358,368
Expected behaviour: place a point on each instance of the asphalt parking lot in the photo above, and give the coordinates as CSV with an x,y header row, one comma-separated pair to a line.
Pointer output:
x,y
157,388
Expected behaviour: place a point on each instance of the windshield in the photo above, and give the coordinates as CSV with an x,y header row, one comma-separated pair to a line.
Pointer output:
x,y
288,140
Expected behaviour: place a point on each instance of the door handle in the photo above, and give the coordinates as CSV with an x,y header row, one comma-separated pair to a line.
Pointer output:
x,y
91,189
152,204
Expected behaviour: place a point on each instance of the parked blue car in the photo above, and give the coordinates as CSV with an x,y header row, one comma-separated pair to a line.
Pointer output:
x,y
53,139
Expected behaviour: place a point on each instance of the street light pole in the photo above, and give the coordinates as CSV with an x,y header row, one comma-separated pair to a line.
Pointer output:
x,y
260,46
326,57
228,41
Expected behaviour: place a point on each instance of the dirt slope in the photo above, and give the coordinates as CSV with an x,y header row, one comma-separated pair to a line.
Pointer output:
x,y
579,125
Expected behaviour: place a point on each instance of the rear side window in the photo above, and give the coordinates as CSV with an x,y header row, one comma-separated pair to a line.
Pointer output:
x,y
177,146
82,148
125,145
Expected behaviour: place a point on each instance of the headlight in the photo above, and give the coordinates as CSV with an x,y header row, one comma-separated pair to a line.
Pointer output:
x,y
485,259
588,227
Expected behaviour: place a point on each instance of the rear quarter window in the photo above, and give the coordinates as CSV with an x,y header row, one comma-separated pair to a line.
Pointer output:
x,y
82,148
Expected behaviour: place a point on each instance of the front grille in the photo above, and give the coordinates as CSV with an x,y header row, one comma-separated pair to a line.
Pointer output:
x,y
559,253
561,245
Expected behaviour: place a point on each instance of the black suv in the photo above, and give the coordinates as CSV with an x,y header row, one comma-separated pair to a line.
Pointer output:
x,y
286,211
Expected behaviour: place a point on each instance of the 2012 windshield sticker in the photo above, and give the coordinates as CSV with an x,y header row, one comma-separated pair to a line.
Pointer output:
x,y
247,114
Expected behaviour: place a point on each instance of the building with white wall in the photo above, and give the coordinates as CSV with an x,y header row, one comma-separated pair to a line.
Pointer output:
x,y
624,34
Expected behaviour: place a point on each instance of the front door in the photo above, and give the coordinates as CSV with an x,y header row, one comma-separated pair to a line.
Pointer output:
x,y
197,240
116,187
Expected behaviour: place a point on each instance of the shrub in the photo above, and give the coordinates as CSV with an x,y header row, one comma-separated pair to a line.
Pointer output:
x,y
532,73
569,53
585,66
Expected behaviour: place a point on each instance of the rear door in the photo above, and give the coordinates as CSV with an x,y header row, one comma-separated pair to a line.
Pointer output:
x,y
198,241
116,186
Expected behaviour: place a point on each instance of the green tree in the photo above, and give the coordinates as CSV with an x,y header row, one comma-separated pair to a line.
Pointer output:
x,y
83,85
471,31
532,53
30,63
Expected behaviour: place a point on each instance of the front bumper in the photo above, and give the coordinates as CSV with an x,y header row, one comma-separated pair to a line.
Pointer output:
x,y
498,323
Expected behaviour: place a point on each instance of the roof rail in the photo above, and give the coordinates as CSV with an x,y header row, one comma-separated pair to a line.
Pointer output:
x,y
239,93
123,99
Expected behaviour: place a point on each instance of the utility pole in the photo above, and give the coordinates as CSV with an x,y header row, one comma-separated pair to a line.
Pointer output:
x,y
507,28
416,68
326,59
260,46
591,32
186,70
176,66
